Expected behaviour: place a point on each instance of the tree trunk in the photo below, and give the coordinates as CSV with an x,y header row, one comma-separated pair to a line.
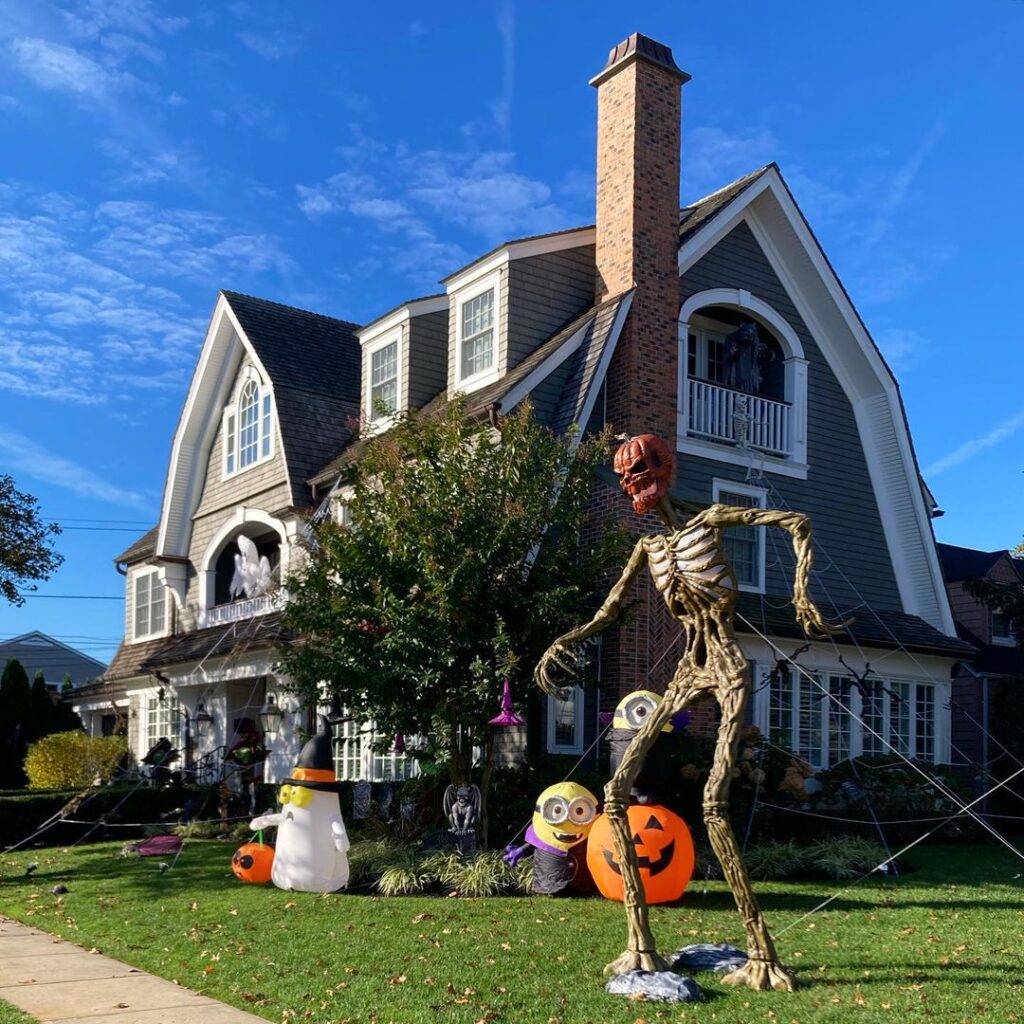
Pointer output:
x,y
485,787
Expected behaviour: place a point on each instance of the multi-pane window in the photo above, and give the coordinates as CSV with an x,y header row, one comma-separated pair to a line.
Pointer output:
x,y
477,335
248,428
705,356
384,381
826,719
248,424
565,721
150,605
355,759
162,720
743,544
1002,628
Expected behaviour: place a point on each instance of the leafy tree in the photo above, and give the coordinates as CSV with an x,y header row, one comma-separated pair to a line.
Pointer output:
x,y
67,684
42,716
15,712
469,550
26,542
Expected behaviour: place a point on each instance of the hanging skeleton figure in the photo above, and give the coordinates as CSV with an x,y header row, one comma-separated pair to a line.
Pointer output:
x,y
693,574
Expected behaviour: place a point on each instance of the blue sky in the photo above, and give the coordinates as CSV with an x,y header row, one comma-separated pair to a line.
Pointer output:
x,y
343,157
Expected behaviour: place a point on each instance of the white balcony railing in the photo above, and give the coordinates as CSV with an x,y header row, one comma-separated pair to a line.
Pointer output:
x,y
721,414
248,608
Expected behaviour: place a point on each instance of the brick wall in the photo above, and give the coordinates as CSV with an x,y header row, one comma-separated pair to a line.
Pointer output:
x,y
637,241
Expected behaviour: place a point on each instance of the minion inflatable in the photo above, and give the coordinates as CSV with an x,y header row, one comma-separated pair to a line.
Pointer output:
x,y
561,821
311,852
632,711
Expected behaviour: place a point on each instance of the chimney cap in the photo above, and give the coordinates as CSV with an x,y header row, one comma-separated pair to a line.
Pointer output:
x,y
640,47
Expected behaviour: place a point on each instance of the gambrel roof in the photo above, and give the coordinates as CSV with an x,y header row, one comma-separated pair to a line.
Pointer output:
x,y
312,363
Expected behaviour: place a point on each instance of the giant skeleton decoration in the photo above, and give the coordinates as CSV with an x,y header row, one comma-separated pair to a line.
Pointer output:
x,y
692,572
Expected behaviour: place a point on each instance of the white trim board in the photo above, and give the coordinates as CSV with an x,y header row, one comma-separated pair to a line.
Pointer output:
x,y
793,252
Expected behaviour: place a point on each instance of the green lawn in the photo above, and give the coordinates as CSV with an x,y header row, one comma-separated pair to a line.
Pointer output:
x,y
12,1015
943,943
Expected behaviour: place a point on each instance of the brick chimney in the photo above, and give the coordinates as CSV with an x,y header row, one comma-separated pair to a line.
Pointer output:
x,y
639,105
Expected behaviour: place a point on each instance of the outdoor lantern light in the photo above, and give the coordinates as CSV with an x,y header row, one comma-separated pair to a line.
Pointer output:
x,y
202,721
270,718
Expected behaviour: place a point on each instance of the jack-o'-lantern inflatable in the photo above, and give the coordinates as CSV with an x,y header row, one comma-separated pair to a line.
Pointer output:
x,y
253,862
664,849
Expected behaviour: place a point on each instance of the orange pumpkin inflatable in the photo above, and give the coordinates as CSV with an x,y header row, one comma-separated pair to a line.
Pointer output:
x,y
252,862
663,846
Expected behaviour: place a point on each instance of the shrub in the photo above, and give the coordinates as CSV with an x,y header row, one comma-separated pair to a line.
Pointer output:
x,y
69,759
775,861
844,856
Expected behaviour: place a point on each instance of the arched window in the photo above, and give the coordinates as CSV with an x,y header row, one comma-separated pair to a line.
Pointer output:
x,y
248,427
743,382
249,424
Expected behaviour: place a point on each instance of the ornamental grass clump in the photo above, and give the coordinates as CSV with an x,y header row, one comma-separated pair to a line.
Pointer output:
x,y
844,856
776,861
72,760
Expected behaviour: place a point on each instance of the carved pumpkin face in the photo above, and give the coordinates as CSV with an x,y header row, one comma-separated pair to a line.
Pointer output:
x,y
252,862
644,464
663,847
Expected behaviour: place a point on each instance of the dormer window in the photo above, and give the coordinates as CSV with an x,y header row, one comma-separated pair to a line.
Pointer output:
x,y
476,361
248,426
383,381
150,606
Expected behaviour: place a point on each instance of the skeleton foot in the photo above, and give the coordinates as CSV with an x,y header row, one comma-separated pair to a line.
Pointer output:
x,y
762,975
632,960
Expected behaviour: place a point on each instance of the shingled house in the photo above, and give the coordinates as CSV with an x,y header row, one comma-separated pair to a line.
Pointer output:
x,y
631,322
982,685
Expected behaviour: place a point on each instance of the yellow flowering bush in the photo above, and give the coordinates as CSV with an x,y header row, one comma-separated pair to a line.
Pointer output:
x,y
67,760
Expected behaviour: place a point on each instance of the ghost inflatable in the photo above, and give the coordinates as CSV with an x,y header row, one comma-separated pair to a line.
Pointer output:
x,y
312,844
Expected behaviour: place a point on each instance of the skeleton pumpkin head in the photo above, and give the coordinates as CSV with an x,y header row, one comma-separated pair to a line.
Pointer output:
x,y
644,464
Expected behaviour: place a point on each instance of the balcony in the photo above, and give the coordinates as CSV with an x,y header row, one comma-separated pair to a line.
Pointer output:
x,y
725,416
237,611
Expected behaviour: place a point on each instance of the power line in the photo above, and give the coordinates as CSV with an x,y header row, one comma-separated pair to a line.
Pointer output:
x,y
103,529
74,597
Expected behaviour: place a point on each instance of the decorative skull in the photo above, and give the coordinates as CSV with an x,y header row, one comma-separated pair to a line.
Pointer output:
x,y
644,464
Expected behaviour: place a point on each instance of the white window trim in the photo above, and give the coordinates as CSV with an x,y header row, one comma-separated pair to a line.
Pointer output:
x,y
761,495
484,377
231,410
384,422
940,725
136,636
795,376
578,711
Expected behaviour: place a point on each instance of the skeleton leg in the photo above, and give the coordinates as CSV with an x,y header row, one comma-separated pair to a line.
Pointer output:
x,y
641,951
762,969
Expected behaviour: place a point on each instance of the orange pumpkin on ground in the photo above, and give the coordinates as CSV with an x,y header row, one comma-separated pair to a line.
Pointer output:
x,y
252,862
663,846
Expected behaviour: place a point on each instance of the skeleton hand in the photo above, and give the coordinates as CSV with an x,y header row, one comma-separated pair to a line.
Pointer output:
x,y
557,659
813,623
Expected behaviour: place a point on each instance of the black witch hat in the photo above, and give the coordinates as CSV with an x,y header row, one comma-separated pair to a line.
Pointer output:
x,y
315,766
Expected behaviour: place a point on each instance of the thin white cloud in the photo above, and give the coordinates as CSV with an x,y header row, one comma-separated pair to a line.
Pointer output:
x,y
501,108
87,313
899,187
958,456
272,45
64,69
901,347
712,157
31,459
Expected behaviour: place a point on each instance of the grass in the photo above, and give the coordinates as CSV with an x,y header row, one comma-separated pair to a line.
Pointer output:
x,y
12,1015
942,943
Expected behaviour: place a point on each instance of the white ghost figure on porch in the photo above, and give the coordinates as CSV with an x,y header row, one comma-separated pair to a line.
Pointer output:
x,y
311,850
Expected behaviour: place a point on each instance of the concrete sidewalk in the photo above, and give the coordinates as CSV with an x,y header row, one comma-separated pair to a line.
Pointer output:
x,y
55,980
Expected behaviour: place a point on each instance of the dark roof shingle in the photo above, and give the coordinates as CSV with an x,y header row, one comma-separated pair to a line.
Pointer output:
x,y
314,363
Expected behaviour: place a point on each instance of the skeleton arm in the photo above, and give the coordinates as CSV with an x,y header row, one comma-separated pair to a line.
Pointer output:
x,y
558,654
799,527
